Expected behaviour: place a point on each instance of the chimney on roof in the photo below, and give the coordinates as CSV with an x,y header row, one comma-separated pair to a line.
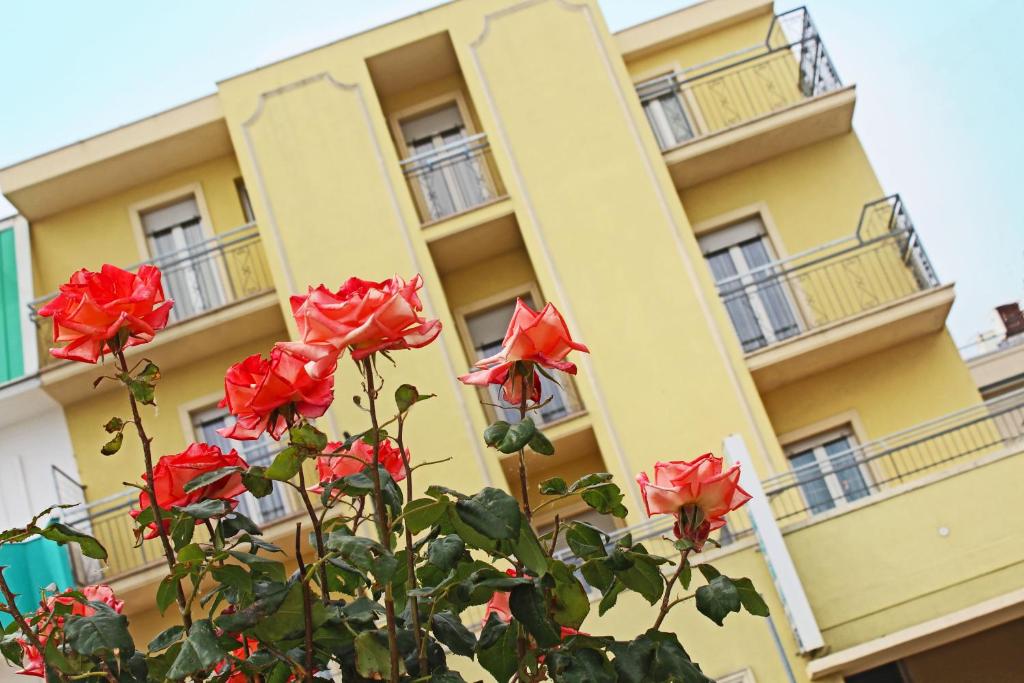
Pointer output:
x,y
1012,318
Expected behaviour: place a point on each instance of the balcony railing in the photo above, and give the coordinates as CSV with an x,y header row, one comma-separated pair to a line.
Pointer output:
x,y
882,263
200,278
452,178
109,520
873,468
790,67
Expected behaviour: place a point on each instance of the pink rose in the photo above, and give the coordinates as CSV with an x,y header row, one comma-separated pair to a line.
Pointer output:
x,y
701,484
532,337
93,307
362,316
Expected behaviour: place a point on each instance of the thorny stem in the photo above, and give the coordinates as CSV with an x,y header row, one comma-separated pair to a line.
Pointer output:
x,y
410,557
666,601
380,514
318,532
522,643
307,604
147,454
554,537
12,608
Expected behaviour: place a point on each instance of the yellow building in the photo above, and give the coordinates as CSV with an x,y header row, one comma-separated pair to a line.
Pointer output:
x,y
691,194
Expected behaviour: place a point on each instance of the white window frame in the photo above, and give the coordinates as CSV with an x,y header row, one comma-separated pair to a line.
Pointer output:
x,y
816,445
656,116
730,239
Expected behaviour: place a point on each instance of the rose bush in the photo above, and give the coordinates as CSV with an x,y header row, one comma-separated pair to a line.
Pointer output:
x,y
390,605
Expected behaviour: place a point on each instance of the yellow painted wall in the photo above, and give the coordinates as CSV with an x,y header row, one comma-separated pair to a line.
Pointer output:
x,y
101,232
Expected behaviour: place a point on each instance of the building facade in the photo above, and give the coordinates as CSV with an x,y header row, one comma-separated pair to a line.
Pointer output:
x,y
690,192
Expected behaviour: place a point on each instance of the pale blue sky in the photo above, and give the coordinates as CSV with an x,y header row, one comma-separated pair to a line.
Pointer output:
x,y
939,96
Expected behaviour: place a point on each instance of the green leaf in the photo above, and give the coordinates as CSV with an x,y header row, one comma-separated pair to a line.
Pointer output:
x,y
445,552
718,598
261,567
540,444
610,597
308,436
585,540
114,424
423,513
750,598
655,656
571,604
285,466
209,478
593,479
100,634
555,486
708,571
583,665
150,373
114,445
406,396
527,605
288,620
517,436
200,651
495,432
643,577
606,499
255,480
166,593
527,549
62,534
496,650
205,509
142,391
267,602
450,631
492,512
166,638
373,656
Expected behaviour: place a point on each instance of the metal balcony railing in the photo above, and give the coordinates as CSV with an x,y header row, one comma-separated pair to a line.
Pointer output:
x,y
202,277
791,66
452,178
883,262
875,467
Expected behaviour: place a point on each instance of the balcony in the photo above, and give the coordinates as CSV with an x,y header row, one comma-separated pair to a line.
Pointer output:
x,y
887,465
453,178
751,105
821,308
202,278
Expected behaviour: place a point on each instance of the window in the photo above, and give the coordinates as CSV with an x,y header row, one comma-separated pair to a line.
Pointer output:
x,y
487,331
664,109
176,240
258,452
450,176
828,470
758,302
243,199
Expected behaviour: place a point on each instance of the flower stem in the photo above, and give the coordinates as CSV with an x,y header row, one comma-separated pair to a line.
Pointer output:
x,y
307,605
380,514
522,643
414,606
147,454
318,533
12,608
666,601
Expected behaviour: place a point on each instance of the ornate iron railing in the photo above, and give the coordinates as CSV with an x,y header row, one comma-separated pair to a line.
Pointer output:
x,y
203,277
453,178
883,262
790,67
870,469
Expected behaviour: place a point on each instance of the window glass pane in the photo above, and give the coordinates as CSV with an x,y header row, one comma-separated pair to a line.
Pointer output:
x,y
846,468
811,481
467,173
736,301
771,293
672,108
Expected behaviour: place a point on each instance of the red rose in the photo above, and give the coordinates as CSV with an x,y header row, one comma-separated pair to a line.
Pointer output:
x,y
261,393
681,488
337,463
172,472
32,661
532,337
93,307
362,316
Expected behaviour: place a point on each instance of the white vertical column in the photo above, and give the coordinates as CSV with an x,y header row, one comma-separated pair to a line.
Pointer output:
x,y
776,554
23,256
